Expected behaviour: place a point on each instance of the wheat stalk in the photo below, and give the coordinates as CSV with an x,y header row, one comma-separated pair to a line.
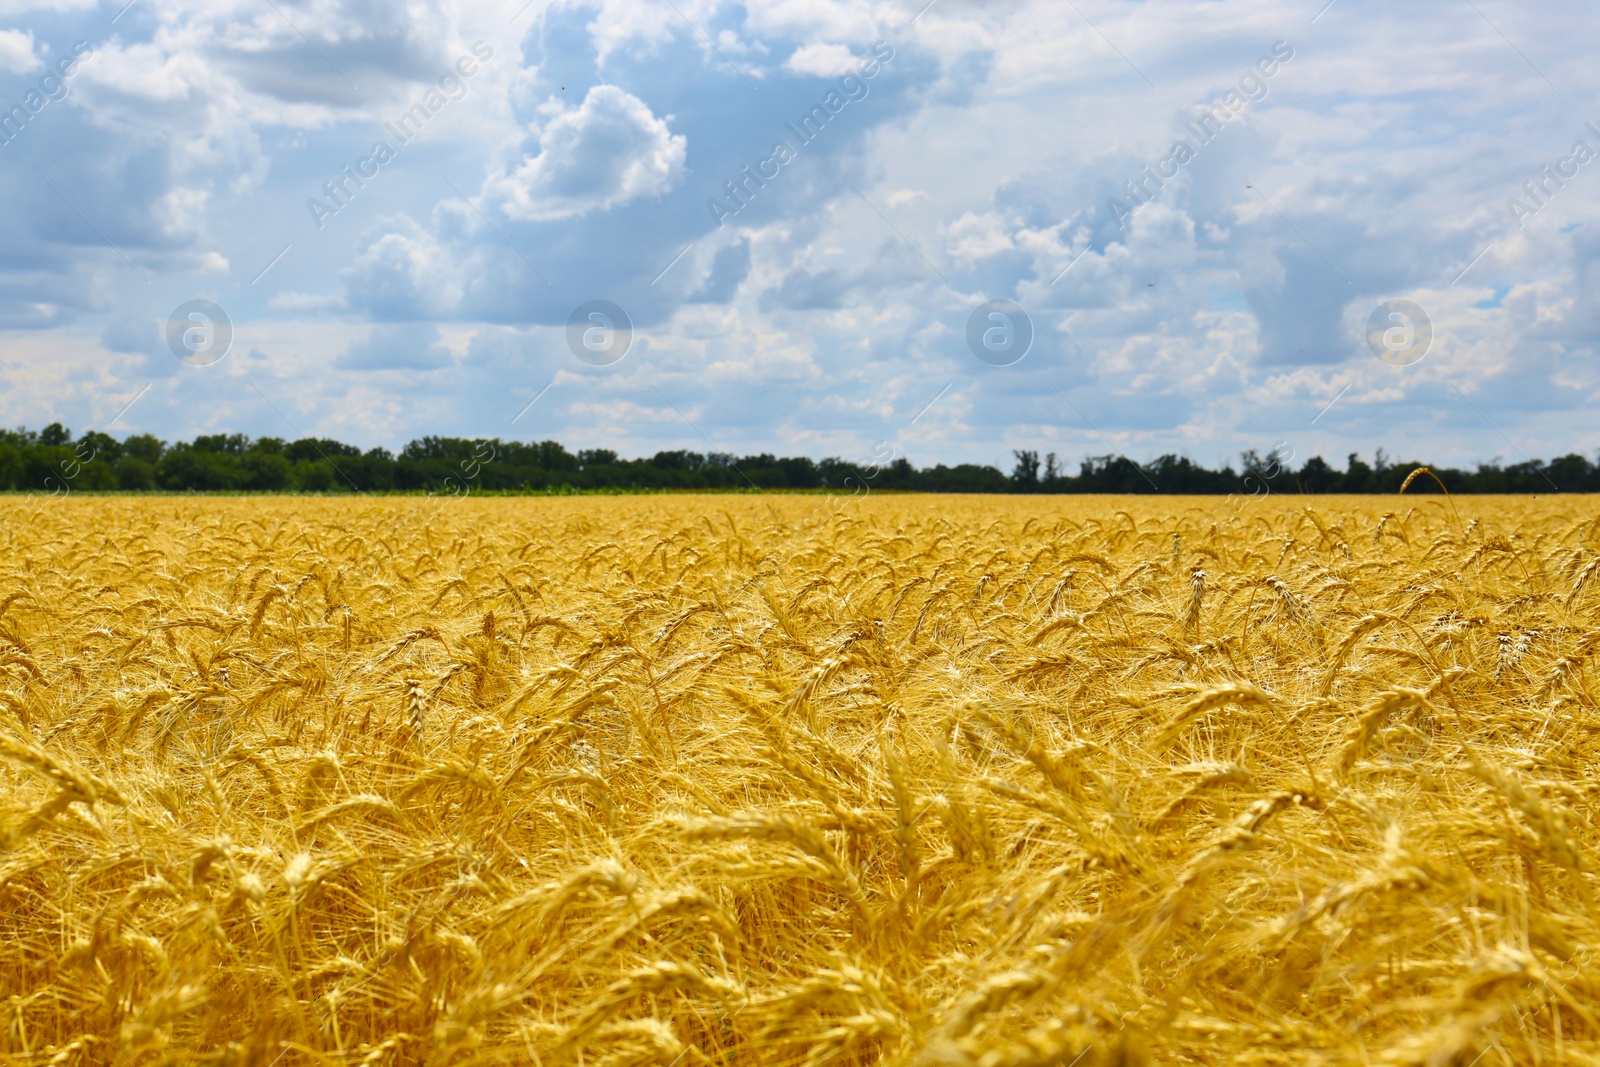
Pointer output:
x,y
735,780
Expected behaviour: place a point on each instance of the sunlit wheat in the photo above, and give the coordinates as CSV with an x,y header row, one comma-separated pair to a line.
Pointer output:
x,y
917,781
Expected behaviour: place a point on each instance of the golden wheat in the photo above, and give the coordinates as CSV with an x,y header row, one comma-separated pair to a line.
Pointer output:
x,y
969,782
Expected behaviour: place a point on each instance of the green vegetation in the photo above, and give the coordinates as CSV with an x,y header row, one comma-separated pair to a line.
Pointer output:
x,y
53,461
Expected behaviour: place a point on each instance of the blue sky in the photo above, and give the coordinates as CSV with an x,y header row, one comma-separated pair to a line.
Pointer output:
x,y
561,153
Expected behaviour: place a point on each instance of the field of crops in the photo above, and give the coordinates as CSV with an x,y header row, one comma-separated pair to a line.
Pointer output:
x,y
784,780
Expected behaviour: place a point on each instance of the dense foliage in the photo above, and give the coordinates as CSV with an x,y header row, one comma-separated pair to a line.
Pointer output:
x,y
51,460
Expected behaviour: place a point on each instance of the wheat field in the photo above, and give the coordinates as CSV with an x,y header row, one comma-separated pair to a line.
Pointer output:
x,y
785,780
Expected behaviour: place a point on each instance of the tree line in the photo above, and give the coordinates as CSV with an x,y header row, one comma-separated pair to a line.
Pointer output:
x,y
53,461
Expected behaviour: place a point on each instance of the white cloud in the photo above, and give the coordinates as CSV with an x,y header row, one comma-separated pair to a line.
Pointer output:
x,y
978,236
305,302
16,52
621,22
606,152
404,273
849,20
823,60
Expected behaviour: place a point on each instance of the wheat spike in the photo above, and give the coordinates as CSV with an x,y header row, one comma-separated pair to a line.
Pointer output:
x,y
746,780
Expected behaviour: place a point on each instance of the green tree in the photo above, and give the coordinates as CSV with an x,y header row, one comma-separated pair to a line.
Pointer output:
x,y
145,446
101,446
265,471
134,473
12,466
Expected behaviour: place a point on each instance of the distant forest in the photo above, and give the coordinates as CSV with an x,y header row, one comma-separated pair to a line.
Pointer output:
x,y
53,461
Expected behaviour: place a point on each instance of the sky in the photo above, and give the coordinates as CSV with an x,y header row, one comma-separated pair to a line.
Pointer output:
x,y
856,228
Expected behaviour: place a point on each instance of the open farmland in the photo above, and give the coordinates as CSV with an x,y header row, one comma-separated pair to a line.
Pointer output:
x,y
774,780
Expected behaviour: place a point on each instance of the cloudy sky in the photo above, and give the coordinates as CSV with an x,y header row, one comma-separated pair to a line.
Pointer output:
x,y
399,208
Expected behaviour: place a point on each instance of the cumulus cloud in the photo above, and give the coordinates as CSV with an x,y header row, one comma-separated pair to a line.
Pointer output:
x,y
403,274
810,20
823,60
607,151
16,52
